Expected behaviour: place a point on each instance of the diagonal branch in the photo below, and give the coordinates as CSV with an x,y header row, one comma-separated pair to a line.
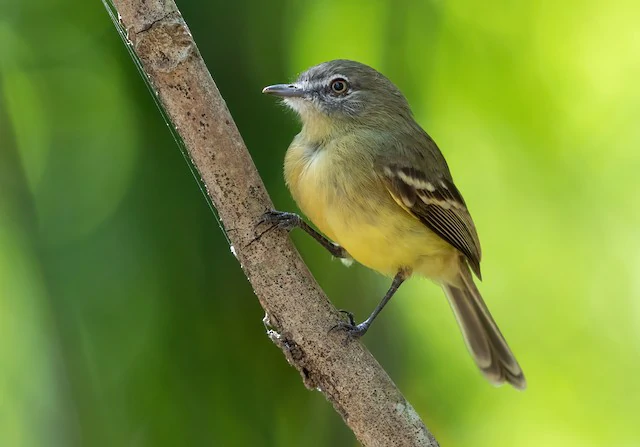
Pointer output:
x,y
297,310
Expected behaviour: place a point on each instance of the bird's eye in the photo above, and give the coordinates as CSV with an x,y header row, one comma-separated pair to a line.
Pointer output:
x,y
339,85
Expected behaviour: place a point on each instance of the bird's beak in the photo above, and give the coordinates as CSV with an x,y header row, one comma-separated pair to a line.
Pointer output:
x,y
284,90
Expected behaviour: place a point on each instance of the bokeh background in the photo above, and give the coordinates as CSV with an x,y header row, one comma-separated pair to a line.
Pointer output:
x,y
126,321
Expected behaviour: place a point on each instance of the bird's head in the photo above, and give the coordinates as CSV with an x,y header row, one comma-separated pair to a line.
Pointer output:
x,y
342,93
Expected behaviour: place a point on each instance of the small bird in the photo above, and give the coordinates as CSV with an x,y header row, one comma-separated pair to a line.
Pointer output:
x,y
372,180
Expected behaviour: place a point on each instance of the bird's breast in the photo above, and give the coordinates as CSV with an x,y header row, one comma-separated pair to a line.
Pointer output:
x,y
309,176
341,194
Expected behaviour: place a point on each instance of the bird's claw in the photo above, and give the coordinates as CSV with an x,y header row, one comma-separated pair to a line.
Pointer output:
x,y
280,219
353,331
349,315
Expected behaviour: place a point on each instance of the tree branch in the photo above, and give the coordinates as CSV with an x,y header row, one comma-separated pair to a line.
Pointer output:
x,y
297,310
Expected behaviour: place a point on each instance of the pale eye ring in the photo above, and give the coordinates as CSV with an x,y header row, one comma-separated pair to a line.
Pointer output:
x,y
339,85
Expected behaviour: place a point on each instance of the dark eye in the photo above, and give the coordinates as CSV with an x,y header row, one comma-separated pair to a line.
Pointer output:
x,y
339,85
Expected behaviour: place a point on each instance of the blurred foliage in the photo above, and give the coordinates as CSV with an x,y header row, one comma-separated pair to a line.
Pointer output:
x,y
125,320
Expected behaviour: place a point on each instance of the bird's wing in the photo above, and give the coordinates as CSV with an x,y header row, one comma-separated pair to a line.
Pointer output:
x,y
438,204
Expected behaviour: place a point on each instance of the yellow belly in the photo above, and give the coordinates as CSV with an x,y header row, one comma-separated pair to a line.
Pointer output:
x,y
358,213
390,240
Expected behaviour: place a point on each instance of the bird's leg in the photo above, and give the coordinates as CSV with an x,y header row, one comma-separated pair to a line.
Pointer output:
x,y
289,221
356,331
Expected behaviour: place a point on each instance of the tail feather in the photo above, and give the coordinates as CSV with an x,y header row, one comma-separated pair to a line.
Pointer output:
x,y
484,340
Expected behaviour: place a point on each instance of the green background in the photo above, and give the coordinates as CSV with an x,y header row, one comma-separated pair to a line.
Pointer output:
x,y
126,321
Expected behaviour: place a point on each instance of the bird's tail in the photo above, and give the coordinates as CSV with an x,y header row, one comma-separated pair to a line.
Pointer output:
x,y
484,340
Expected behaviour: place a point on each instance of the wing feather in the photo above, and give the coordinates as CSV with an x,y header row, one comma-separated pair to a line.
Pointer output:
x,y
438,204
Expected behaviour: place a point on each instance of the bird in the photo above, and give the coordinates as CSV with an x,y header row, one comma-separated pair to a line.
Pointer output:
x,y
380,192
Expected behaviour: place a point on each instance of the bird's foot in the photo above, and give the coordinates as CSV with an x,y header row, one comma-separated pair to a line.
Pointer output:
x,y
281,219
350,328
349,316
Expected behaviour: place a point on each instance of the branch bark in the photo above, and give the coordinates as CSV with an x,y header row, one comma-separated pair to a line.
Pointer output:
x,y
297,309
